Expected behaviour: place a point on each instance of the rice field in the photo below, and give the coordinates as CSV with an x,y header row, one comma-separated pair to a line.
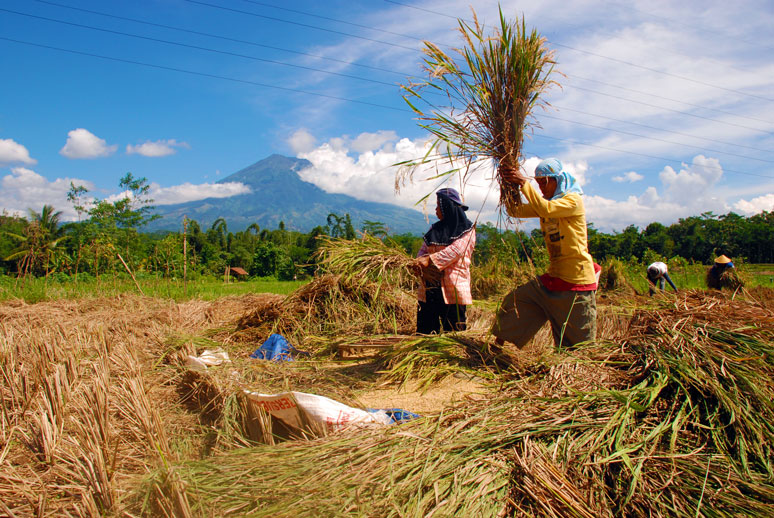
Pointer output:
x,y
669,414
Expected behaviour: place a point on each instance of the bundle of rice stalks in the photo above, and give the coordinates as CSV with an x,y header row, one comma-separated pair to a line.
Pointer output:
x,y
366,261
728,279
613,276
683,429
492,91
428,360
332,305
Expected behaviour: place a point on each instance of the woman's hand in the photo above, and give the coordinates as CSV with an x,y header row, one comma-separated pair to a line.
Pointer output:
x,y
511,176
426,269
422,261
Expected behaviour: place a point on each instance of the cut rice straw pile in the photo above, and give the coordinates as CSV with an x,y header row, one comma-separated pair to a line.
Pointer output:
x,y
684,429
366,260
331,306
365,288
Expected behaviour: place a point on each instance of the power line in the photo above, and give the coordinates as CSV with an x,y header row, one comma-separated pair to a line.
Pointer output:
x,y
376,105
225,38
658,139
273,18
197,47
650,69
669,74
203,74
573,141
422,9
560,108
348,62
756,44
668,98
264,4
672,110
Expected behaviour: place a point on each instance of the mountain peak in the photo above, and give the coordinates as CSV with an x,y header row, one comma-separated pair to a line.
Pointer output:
x,y
279,194
269,170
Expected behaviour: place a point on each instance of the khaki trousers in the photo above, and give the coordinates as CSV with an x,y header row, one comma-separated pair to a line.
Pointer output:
x,y
573,315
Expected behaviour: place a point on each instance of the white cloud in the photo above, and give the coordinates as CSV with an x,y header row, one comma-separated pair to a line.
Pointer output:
x,y
629,177
157,148
370,141
302,141
688,192
81,143
25,189
694,181
370,175
12,152
756,205
185,192
190,192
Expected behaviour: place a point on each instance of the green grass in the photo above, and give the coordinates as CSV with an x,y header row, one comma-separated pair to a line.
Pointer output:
x,y
34,290
693,276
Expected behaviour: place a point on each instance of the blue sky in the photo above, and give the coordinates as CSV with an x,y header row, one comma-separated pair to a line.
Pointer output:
x,y
666,109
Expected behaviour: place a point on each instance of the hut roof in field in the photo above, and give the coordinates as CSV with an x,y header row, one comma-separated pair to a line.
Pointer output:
x,y
239,271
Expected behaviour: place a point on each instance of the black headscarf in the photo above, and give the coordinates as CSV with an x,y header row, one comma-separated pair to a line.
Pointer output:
x,y
454,224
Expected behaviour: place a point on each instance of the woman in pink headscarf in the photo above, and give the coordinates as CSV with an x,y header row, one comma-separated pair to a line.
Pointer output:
x,y
443,263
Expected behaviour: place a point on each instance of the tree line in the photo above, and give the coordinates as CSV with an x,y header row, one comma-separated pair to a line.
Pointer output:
x,y
107,237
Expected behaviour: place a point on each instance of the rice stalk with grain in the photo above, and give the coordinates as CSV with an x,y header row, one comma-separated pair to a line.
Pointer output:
x,y
492,89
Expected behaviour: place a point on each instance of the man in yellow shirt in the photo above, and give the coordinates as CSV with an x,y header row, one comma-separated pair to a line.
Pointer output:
x,y
565,295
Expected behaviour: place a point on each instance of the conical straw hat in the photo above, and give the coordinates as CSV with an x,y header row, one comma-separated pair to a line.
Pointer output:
x,y
722,260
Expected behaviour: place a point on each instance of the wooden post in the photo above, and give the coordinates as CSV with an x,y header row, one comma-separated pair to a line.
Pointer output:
x,y
185,257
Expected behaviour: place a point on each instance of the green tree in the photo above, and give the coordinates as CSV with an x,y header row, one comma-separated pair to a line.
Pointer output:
x,y
76,196
374,228
335,225
37,244
265,260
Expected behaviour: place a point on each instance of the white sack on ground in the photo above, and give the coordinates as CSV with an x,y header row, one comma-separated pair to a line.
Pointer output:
x,y
300,410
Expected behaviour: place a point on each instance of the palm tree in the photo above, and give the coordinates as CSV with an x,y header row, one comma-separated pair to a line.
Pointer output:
x,y
221,228
335,224
38,242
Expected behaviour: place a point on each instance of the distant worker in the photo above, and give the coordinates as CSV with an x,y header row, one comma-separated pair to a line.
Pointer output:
x,y
657,274
443,264
716,273
565,295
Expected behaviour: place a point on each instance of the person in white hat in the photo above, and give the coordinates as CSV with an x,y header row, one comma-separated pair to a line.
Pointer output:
x,y
657,274
565,294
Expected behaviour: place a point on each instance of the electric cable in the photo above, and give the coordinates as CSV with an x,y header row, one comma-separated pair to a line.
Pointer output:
x,y
197,47
202,74
273,18
266,85
370,67
225,38
569,47
565,108
574,141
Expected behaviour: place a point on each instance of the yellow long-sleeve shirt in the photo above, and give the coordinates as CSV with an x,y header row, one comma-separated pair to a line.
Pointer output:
x,y
563,223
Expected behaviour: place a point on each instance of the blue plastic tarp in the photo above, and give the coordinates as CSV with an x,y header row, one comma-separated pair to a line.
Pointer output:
x,y
276,348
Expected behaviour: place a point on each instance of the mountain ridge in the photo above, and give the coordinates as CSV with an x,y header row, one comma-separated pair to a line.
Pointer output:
x,y
279,194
